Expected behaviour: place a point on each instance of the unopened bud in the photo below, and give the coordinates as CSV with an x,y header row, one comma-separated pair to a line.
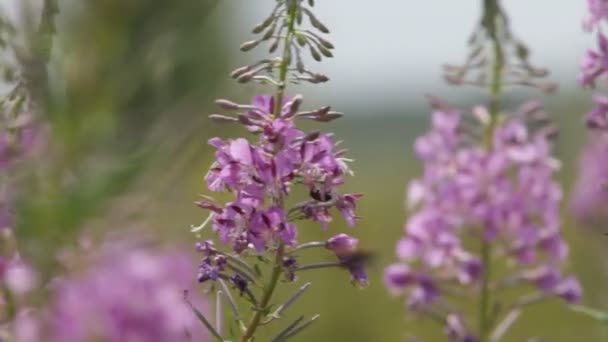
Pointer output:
x,y
226,104
325,51
238,72
331,116
222,118
323,110
315,54
312,136
301,39
246,46
273,47
246,77
325,43
244,120
316,23
262,26
270,32
320,78
292,107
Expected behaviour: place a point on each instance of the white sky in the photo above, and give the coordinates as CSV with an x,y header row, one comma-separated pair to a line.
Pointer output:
x,y
391,50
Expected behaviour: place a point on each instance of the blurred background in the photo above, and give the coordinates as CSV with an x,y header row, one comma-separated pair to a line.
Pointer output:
x,y
130,84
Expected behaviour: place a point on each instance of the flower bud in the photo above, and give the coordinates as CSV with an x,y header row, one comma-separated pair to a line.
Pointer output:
x,y
227,104
292,107
246,77
263,25
270,32
315,54
246,46
222,118
342,245
238,72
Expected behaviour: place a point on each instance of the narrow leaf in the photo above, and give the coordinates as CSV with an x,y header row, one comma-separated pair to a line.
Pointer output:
x,y
202,318
281,335
297,330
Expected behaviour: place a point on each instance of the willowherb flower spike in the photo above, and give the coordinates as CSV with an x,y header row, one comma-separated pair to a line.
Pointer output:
x,y
147,301
593,64
486,196
260,220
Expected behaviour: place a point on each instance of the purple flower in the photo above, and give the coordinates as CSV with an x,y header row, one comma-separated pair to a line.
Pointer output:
x,y
347,205
590,194
597,118
271,225
17,276
261,175
397,277
598,11
129,293
355,261
456,330
569,289
594,63
342,245
505,195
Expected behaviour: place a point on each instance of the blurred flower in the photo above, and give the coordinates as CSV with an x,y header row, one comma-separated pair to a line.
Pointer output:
x,y
590,193
598,11
17,277
456,330
505,195
595,63
597,118
130,293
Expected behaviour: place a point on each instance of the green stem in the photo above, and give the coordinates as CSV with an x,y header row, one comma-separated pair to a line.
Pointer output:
x,y
491,15
278,101
484,302
10,305
268,291
292,11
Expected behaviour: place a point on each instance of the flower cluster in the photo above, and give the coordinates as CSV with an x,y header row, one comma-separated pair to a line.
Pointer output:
x,y
504,195
590,193
262,174
17,278
598,11
282,176
128,293
594,64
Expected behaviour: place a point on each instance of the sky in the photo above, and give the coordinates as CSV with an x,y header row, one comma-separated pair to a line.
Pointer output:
x,y
392,50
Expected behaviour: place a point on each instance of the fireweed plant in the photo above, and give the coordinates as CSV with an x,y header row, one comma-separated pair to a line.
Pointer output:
x,y
590,194
262,174
484,219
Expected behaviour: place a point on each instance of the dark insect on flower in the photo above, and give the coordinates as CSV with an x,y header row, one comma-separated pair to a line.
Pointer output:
x,y
356,264
316,194
289,265
239,282
351,257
